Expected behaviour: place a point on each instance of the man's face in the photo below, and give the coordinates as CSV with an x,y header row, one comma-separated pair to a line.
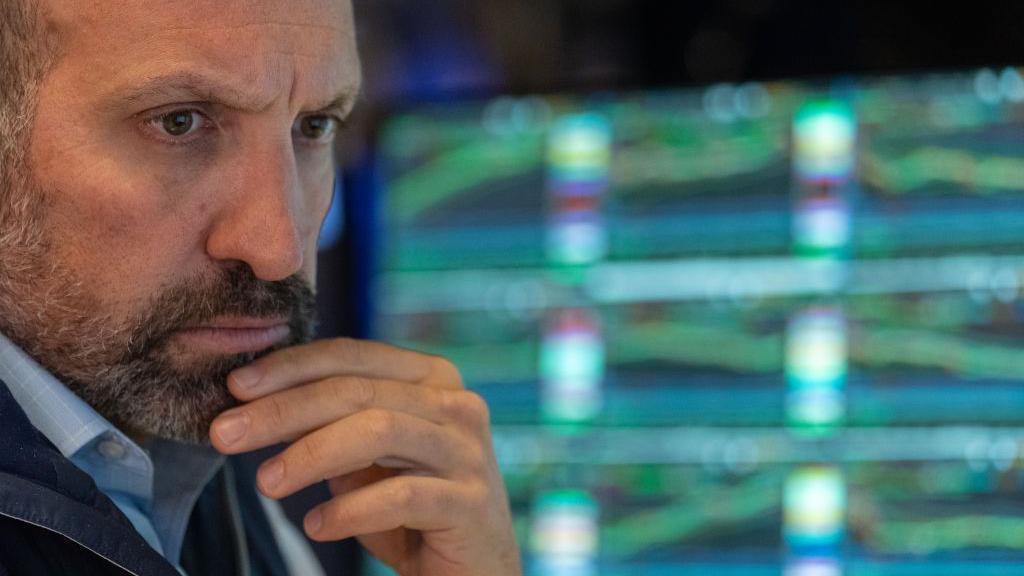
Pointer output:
x,y
181,157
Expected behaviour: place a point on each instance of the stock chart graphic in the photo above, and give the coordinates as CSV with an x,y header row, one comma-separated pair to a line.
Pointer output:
x,y
739,330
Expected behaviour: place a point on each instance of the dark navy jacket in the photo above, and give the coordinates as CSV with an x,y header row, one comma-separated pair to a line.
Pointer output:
x,y
53,519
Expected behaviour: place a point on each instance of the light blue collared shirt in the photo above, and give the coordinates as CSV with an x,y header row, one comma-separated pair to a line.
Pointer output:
x,y
156,488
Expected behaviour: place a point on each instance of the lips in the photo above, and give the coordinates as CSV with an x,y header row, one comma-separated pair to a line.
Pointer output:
x,y
241,323
235,334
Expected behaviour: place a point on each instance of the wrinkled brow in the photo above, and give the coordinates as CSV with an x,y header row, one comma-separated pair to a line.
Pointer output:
x,y
190,86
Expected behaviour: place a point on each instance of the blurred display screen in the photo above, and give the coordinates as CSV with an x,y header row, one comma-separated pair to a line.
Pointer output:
x,y
748,329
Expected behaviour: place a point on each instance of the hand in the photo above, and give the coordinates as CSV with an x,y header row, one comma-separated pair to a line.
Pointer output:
x,y
406,451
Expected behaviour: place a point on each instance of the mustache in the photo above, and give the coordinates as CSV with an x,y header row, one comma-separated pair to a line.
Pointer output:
x,y
234,292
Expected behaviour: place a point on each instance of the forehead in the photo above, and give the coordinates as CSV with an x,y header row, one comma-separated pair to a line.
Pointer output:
x,y
308,45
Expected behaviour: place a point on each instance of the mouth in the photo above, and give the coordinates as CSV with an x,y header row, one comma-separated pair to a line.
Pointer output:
x,y
234,334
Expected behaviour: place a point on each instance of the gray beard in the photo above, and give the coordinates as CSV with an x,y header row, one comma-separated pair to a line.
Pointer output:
x,y
137,385
125,370
150,396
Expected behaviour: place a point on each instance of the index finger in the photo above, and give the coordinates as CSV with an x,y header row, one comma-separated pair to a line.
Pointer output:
x,y
307,363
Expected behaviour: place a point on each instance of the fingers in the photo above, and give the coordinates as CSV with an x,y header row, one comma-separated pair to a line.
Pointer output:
x,y
414,502
388,439
340,357
354,481
287,415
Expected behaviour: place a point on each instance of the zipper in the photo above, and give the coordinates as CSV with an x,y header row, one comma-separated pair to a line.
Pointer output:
x,y
51,530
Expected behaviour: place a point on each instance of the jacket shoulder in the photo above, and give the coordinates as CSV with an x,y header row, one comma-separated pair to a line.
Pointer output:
x,y
29,549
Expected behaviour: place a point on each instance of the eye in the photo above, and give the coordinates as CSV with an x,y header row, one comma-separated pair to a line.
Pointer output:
x,y
317,127
179,124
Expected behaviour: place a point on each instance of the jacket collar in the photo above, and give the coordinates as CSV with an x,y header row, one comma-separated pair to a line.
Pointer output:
x,y
39,486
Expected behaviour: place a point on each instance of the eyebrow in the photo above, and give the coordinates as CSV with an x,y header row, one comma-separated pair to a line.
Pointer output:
x,y
342,104
198,87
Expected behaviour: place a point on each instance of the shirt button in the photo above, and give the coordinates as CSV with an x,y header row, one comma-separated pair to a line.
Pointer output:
x,y
111,450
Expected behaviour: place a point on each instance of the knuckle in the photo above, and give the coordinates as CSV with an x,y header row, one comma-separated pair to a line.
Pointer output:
x,y
277,412
473,457
353,393
445,370
468,407
332,392
450,404
477,496
445,501
478,408
312,448
383,426
404,494
362,391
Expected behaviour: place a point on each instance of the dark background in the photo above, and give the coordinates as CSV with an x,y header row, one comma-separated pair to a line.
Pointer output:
x,y
443,47
417,50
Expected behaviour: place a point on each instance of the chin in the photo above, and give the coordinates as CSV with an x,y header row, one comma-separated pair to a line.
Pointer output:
x,y
175,395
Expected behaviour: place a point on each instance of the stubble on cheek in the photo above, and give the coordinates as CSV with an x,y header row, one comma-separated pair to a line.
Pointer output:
x,y
132,370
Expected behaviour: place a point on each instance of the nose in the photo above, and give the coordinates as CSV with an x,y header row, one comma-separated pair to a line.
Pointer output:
x,y
262,225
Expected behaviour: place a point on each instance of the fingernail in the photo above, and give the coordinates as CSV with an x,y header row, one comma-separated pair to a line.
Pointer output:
x,y
247,378
231,427
271,474
314,521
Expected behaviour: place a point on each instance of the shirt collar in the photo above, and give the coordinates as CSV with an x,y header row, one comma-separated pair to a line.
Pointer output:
x,y
64,418
165,493
80,433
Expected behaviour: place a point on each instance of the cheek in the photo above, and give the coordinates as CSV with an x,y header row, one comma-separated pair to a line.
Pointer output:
x,y
319,187
323,206
111,212
318,191
112,202
120,236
